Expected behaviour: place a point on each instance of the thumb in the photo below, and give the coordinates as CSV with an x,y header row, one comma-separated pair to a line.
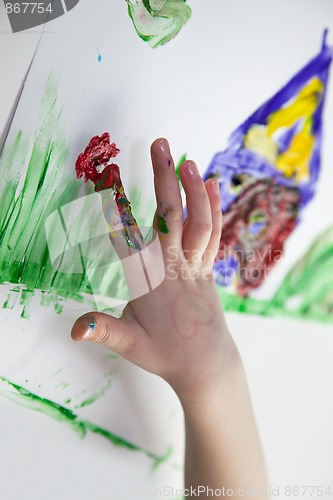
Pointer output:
x,y
123,336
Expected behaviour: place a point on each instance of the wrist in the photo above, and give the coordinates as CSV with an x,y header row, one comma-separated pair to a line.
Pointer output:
x,y
214,388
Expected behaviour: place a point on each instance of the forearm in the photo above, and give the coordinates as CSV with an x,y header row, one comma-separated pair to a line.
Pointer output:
x,y
222,443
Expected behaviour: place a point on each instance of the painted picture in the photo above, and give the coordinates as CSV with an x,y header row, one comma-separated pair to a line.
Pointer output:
x,y
255,113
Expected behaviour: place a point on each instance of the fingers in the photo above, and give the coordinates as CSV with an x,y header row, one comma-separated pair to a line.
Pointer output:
x,y
124,337
213,191
198,227
169,213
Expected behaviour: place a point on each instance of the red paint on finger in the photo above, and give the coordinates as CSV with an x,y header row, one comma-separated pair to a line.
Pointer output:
x,y
93,165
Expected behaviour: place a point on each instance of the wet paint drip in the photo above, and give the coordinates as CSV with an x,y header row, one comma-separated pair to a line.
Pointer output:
x,y
158,22
22,396
93,164
161,224
276,151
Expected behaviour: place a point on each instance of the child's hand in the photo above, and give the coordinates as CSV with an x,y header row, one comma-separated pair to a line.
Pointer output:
x,y
177,330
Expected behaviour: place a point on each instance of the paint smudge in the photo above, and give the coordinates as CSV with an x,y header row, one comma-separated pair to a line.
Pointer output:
x,y
35,182
268,175
11,299
20,395
56,373
158,21
95,396
161,224
256,225
62,385
305,293
307,289
99,58
93,164
181,160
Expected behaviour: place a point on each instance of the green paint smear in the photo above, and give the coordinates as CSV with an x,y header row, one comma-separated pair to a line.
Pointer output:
x,y
162,225
158,21
308,287
56,373
30,400
94,397
62,385
36,180
11,300
181,160
306,291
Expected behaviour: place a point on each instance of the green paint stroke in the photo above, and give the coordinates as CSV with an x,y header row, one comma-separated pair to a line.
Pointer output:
x,y
307,289
181,160
306,292
36,180
162,225
158,21
96,396
30,400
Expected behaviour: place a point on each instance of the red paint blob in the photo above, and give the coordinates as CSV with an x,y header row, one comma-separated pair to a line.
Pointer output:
x,y
98,153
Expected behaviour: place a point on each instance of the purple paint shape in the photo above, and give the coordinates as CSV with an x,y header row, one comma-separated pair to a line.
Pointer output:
x,y
238,169
237,161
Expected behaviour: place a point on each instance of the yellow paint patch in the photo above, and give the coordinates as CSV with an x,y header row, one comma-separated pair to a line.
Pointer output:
x,y
303,106
258,141
295,161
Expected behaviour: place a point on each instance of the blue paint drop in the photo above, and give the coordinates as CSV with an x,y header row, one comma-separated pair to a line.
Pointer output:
x,y
99,59
92,325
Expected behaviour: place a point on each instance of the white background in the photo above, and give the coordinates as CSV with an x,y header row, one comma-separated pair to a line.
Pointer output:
x,y
257,47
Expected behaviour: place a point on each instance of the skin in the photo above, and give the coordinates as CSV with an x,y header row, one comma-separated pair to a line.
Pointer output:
x,y
178,331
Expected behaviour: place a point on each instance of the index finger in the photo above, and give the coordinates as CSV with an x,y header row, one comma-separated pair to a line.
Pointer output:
x,y
169,212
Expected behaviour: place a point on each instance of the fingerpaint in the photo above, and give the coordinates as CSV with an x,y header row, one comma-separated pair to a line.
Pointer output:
x,y
62,385
22,396
162,225
34,183
97,155
306,292
155,23
181,160
257,224
23,248
96,396
278,145
56,373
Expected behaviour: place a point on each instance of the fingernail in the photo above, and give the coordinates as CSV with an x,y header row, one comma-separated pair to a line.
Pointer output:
x,y
86,324
191,169
164,146
215,186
